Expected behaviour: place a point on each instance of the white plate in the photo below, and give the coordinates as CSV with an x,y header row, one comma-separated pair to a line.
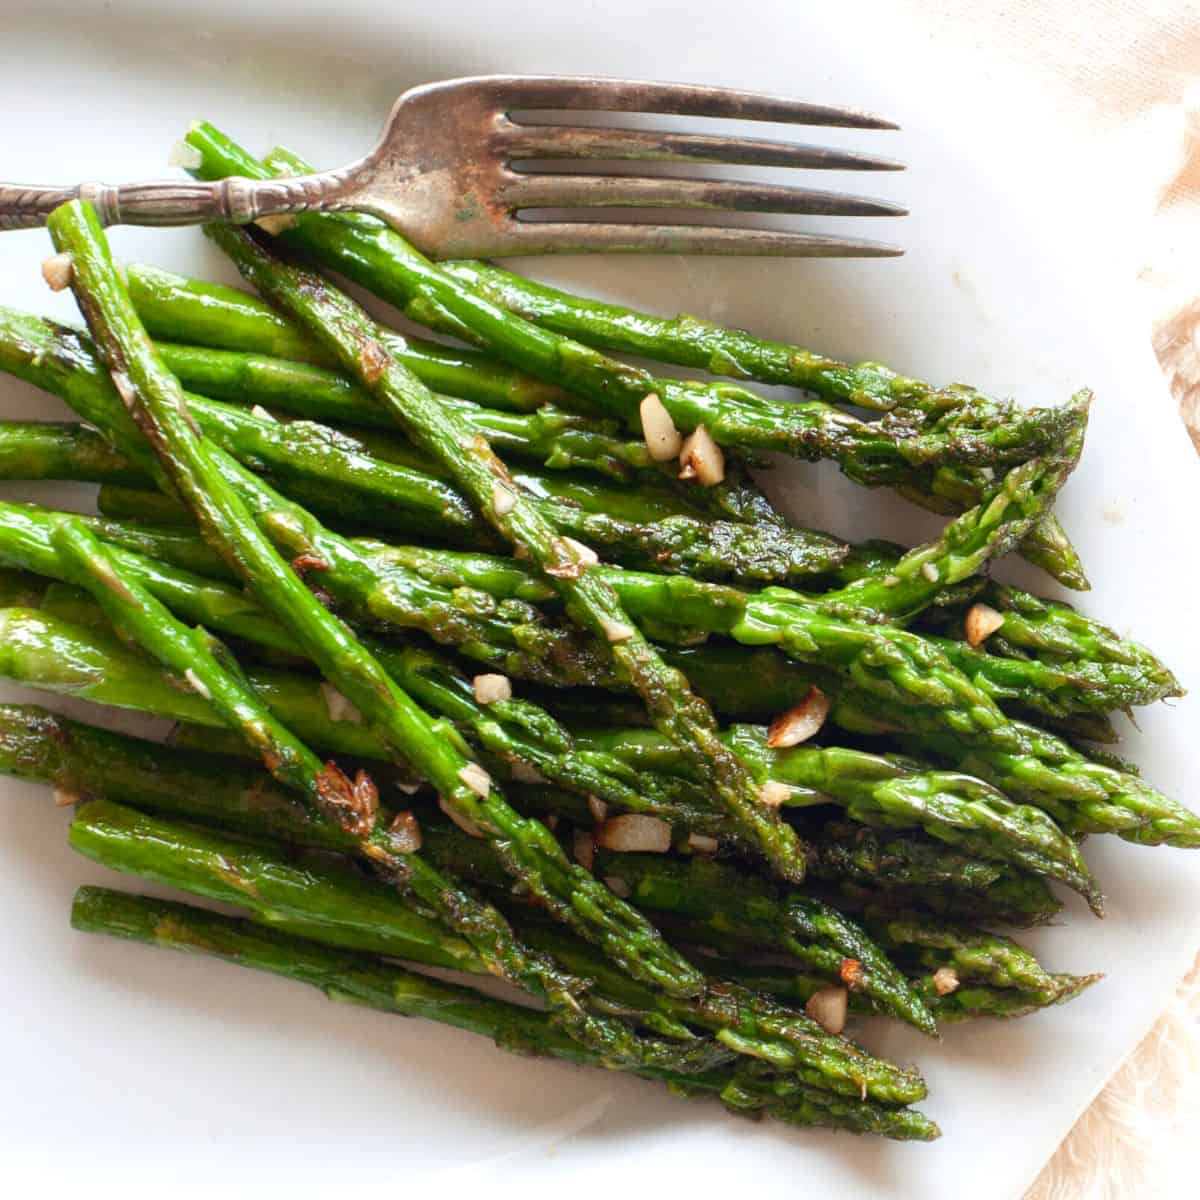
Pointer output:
x,y
127,1069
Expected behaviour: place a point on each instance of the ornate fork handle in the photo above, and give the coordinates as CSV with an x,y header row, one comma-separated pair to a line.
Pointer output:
x,y
181,201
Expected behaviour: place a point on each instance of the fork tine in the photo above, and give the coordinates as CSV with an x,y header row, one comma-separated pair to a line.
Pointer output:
x,y
649,145
578,237
633,191
684,99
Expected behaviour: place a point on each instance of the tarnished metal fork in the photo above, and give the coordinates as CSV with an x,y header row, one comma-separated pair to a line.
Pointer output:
x,y
444,174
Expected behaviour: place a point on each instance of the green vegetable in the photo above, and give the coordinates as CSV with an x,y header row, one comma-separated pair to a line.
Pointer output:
x,y
358,979
201,474
333,906
377,257
589,598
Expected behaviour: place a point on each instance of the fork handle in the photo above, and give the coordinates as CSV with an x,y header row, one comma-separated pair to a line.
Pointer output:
x,y
181,201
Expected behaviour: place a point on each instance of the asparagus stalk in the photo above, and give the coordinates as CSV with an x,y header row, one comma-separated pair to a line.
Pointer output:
x,y
198,661
733,416
217,315
85,761
689,341
722,351
614,765
186,312
82,760
334,907
1067,692
1086,796
199,470
359,979
548,435
60,450
590,600
866,868
975,955
967,1002
344,480
889,792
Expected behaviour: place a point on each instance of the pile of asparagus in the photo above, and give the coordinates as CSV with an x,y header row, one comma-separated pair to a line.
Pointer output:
x,y
490,655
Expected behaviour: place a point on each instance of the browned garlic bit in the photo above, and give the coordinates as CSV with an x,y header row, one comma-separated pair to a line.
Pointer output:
x,y
598,809
583,554
477,779
930,572
338,707
65,797
57,271
616,631
406,833
464,823
663,441
701,843
490,688
276,224
522,772
828,1008
197,684
585,848
617,886
184,155
800,722
773,793
982,621
945,981
502,499
851,973
701,458
635,833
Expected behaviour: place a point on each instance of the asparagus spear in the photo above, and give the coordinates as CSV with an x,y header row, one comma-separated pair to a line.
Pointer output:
x,y
975,955
83,760
590,601
867,868
967,1002
446,614
338,908
613,765
347,482
60,450
223,316
1136,676
889,792
549,435
875,789
741,681
689,341
738,354
198,661
186,312
733,416
198,470
363,980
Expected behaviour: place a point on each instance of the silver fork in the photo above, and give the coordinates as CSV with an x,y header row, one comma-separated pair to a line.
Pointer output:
x,y
443,175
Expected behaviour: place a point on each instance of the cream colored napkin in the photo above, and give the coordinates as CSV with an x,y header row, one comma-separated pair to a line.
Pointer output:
x,y
1124,76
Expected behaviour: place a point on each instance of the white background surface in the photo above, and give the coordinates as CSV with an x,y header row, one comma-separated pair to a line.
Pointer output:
x,y
131,1070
